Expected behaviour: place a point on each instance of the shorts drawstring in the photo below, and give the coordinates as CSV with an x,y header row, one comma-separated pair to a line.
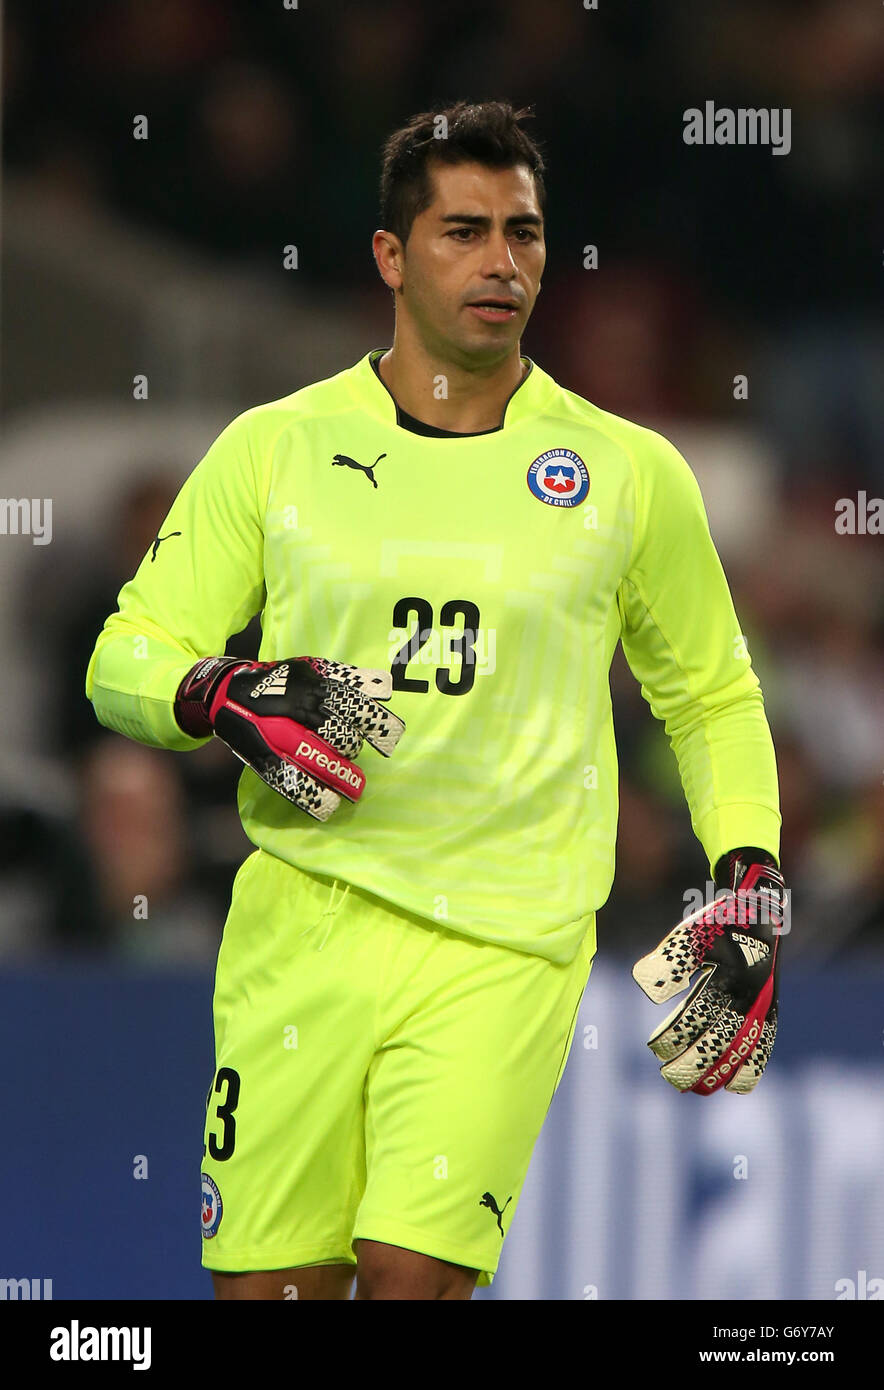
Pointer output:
x,y
330,912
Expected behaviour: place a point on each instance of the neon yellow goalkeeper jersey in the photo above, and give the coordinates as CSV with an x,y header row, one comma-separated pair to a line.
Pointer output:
x,y
493,574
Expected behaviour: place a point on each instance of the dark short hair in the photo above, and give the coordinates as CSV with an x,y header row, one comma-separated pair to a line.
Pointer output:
x,y
487,132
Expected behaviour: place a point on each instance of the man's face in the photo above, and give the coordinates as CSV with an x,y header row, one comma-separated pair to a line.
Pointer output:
x,y
473,261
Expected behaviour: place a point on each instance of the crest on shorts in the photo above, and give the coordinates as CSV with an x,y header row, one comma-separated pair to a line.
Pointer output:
x,y
212,1208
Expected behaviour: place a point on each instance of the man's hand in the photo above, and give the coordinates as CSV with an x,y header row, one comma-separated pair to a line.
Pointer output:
x,y
296,723
723,1032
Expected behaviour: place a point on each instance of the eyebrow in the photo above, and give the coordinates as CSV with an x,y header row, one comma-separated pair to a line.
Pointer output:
x,y
472,219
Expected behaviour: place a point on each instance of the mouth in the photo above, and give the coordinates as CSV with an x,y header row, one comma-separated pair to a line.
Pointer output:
x,y
494,310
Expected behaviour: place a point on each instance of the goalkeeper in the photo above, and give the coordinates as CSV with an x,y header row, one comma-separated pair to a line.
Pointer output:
x,y
442,575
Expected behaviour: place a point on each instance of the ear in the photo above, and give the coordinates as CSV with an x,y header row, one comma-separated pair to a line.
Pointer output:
x,y
389,255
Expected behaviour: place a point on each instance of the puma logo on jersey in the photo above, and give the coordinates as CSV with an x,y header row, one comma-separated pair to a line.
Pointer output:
x,y
342,461
273,684
486,1200
158,542
753,950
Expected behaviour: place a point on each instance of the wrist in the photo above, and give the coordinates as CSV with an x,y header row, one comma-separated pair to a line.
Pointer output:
x,y
731,867
195,694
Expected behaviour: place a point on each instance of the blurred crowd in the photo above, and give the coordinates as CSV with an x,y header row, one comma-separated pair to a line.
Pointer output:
x,y
265,126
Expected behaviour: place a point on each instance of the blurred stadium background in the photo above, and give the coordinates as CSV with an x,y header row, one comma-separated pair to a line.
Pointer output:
x,y
164,258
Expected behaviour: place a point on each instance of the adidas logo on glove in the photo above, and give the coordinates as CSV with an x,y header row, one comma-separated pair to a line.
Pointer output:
x,y
753,949
274,684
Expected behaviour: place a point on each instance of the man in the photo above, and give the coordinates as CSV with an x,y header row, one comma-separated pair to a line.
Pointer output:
x,y
406,951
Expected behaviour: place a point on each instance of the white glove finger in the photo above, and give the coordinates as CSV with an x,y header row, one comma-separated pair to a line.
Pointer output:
x,y
342,734
370,681
301,788
666,970
751,1071
353,697
689,1020
305,791
378,726
685,1070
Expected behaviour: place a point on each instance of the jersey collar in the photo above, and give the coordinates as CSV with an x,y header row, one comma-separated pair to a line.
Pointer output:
x,y
531,394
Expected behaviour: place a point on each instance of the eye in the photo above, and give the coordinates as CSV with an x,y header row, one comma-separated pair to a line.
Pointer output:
x,y
526,232
463,232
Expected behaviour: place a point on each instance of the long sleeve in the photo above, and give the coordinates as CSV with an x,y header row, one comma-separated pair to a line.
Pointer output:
x,y
202,583
683,643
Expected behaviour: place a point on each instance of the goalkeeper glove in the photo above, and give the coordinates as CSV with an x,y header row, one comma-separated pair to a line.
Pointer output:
x,y
296,723
722,1034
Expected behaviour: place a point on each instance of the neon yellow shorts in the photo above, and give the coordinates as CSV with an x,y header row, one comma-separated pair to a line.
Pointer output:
x,y
377,1076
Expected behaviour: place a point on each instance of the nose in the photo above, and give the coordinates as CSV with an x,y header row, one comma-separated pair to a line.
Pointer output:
x,y
499,260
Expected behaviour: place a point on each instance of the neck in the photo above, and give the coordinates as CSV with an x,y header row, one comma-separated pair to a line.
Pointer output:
x,y
474,398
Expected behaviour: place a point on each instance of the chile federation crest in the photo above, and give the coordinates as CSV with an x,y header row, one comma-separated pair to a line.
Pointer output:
x,y
212,1208
559,478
